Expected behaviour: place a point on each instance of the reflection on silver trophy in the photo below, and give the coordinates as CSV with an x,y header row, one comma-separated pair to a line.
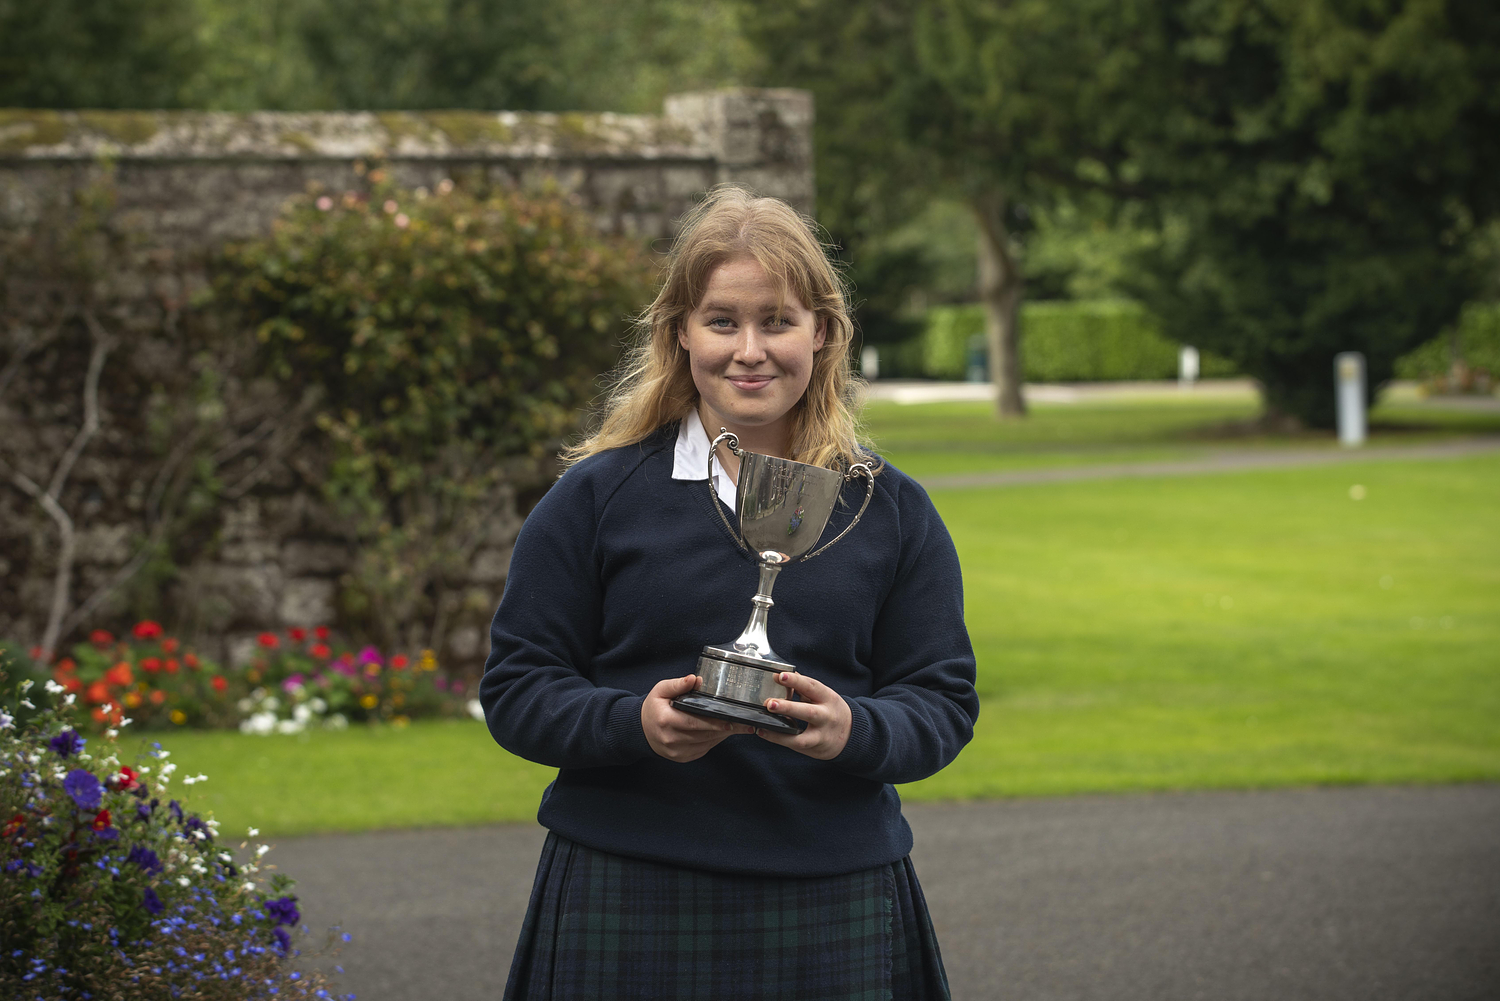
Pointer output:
x,y
783,508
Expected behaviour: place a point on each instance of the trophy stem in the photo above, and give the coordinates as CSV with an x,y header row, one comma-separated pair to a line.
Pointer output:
x,y
755,641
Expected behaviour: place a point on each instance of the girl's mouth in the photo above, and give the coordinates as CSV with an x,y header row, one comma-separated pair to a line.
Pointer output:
x,y
749,382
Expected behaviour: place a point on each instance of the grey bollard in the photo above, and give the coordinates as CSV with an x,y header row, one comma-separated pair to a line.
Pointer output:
x,y
1349,383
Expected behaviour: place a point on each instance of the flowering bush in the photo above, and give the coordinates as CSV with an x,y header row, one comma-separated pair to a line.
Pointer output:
x,y
295,680
109,888
304,681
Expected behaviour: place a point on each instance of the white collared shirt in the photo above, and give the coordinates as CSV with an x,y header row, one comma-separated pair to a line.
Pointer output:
x,y
690,458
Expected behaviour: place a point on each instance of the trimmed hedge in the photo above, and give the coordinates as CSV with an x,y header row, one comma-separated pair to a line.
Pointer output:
x,y
1068,341
1478,343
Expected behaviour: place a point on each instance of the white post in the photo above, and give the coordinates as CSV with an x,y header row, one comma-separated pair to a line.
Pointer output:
x,y
1187,365
869,363
1349,380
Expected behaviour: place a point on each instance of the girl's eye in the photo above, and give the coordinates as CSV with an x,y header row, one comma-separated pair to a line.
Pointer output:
x,y
721,323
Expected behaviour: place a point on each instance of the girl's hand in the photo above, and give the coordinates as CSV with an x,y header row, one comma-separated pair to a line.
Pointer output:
x,y
827,715
679,736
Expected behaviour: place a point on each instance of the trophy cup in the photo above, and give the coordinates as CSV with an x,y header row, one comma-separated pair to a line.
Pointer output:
x,y
783,507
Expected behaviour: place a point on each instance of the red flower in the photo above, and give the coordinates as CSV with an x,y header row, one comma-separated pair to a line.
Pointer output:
x,y
151,665
101,820
219,683
321,632
73,685
190,660
320,650
98,693
147,630
101,637
38,654
158,697
399,662
171,665
66,666
297,633
268,640
17,823
119,675
169,645
127,779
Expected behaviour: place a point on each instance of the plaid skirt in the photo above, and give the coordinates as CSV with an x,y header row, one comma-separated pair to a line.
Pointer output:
x,y
600,926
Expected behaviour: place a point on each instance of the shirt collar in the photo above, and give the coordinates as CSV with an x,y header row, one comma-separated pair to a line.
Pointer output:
x,y
690,458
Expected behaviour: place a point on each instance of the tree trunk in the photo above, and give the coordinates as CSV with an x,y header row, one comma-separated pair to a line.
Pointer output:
x,y
1000,289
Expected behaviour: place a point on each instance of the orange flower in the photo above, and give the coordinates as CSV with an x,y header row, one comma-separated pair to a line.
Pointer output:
x,y
190,660
120,675
158,697
169,645
65,666
171,665
98,693
132,699
151,665
147,630
98,715
219,683
73,685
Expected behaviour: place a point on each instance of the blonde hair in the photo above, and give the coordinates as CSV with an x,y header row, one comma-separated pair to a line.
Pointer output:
x,y
654,385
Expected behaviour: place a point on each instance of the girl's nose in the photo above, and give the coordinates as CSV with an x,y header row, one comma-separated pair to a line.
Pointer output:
x,y
749,349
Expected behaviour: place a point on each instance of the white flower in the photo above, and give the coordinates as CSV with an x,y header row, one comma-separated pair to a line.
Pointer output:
x,y
6,722
254,831
199,834
337,721
260,852
26,686
260,723
163,754
318,705
53,687
302,714
289,726
69,699
111,734
126,722
248,887
27,702
225,857
184,881
475,709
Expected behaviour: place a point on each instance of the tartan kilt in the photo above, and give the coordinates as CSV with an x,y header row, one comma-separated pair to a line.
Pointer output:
x,y
601,926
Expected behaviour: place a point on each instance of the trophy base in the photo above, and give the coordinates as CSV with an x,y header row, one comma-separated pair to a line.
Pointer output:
x,y
735,687
733,712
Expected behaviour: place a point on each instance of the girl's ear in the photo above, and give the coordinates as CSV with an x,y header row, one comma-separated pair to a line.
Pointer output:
x,y
682,338
820,333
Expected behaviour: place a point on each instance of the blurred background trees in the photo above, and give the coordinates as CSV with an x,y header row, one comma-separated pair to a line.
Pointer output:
x,y
1273,180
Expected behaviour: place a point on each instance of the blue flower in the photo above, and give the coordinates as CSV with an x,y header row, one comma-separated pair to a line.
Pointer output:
x,y
152,902
84,788
67,743
143,811
283,941
284,910
145,858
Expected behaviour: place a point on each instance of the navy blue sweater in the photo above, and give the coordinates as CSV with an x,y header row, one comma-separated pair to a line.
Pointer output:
x,y
622,574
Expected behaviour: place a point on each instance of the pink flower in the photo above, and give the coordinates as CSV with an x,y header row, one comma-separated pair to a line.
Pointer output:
x,y
402,221
390,206
292,682
325,203
369,655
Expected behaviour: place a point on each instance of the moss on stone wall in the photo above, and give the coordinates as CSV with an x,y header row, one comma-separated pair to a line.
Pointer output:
x,y
21,128
127,127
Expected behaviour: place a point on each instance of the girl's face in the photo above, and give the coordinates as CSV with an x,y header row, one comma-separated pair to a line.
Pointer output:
x,y
751,357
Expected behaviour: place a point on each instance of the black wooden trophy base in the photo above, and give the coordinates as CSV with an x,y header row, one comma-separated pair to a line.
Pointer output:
x,y
737,712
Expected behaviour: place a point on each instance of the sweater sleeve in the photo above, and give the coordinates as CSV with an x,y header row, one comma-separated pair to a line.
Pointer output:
x,y
924,706
538,700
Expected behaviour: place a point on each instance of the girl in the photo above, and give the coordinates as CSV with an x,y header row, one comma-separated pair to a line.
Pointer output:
x,y
690,857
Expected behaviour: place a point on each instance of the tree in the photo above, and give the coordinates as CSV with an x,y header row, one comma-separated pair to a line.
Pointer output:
x,y
1000,104
97,53
1323,168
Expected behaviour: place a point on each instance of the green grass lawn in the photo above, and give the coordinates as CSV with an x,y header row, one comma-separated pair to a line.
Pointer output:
x,y
1244,630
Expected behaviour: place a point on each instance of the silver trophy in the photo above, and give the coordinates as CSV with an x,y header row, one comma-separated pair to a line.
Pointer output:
x,y
783,508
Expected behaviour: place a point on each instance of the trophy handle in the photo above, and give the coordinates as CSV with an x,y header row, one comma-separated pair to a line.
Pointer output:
x,y
858,469
725,435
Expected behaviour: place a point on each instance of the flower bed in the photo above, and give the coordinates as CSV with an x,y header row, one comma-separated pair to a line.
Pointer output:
x,y
298,679
109,888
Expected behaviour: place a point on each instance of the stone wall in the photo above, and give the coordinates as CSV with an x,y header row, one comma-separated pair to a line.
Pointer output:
x,y
183,183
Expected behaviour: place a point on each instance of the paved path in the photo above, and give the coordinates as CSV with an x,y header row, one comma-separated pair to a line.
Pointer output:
x,y
1236,461
1353,894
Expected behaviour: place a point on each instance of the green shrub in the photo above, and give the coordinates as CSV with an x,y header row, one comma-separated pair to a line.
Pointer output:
x,y
446,335
1063,341
1478,342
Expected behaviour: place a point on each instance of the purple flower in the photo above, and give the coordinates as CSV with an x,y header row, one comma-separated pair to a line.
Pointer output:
x,y
106,833
293,682
152,902
345,668
145,858
283,940
143,811
67,743
84,788
176,810
370,655
284,910
195,823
